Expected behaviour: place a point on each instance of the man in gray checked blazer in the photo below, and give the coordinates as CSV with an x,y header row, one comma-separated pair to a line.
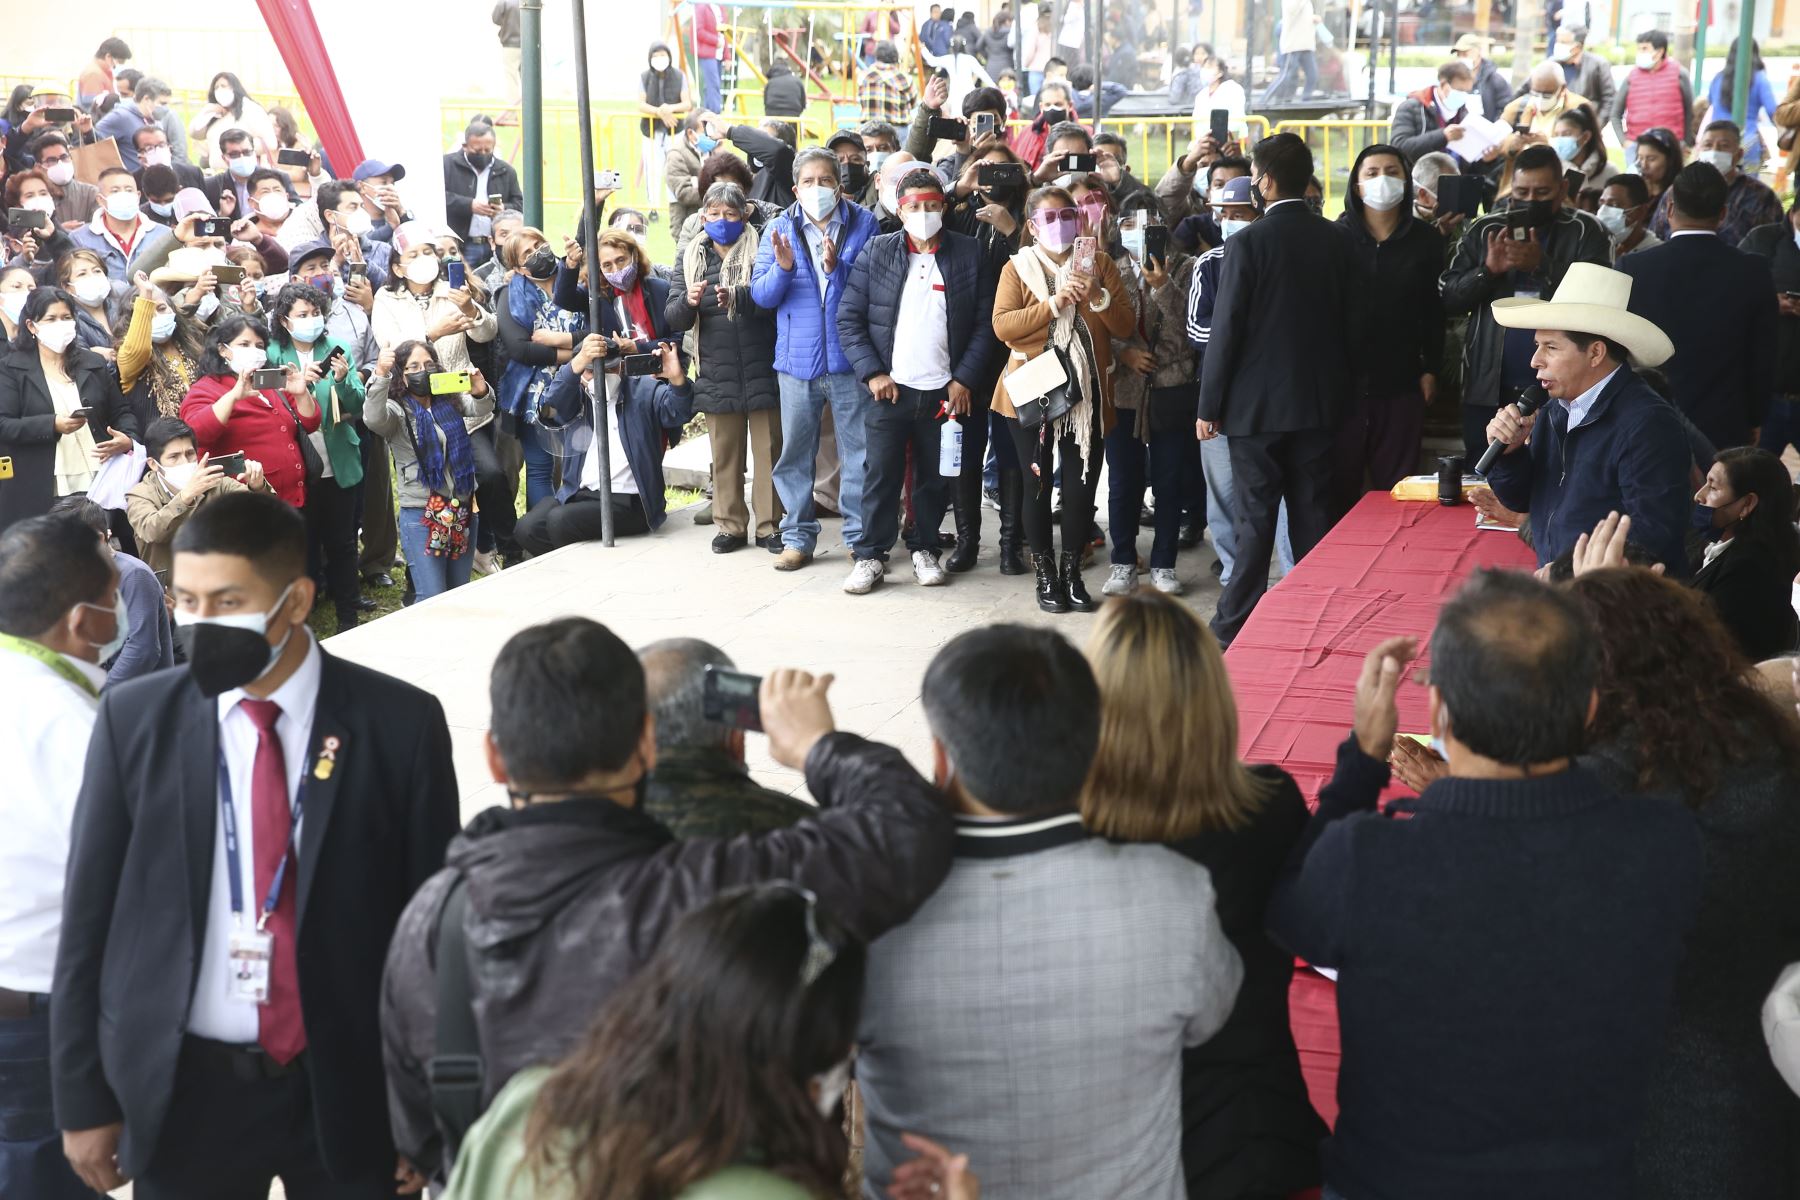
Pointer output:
x,y
1033,1012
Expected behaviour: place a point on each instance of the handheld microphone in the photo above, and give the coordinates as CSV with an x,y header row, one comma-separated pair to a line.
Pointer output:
x,y
1529,401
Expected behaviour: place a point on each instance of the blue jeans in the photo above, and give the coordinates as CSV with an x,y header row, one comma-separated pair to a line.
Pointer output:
x,y
1221,506
1128,462
711,94
540,468
802,402
430,573
31,1155
1296,62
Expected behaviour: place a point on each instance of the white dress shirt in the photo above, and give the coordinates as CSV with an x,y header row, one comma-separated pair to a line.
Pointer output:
x,y
624,483
480,226
45,722
215,1013
922,330
1582,406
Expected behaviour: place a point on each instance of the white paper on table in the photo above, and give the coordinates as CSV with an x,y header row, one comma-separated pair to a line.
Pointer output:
x,y
1479,136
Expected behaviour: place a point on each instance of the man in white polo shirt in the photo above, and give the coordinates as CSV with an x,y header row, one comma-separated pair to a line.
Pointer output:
x,y
916,324
59,615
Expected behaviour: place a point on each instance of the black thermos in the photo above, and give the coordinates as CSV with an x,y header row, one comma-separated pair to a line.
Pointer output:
x,y
1450,473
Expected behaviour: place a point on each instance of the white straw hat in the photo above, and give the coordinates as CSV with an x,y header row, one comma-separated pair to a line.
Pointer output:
x,y
1591,299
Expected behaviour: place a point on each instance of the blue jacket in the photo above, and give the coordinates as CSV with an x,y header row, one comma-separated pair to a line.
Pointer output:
x,y
1631,457
652,411
870,310
806,333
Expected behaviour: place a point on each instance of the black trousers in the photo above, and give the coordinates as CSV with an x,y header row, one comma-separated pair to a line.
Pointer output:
x,y
888,429
227,1138
1036,454
496,499
966,488
1267,468
554,524
331,545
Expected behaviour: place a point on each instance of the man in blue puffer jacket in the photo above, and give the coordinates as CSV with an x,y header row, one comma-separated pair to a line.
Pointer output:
x,y
917,326
802,268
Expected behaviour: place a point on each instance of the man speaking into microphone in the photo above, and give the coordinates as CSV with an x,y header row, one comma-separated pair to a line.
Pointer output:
x,y
1606,442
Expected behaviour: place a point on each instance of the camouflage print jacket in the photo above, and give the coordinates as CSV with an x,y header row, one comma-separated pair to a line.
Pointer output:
x,y
707,793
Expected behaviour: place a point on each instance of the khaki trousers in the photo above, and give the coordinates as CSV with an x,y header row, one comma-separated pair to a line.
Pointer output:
x,y
732,435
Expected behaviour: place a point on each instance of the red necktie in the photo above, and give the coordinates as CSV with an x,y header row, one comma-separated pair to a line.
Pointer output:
x,y
282,1032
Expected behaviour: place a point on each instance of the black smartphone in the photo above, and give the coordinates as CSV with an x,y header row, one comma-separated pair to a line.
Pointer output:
x,y
496,200
269,377
1221,125
983,123
1458,194
293,158
1523,128
456,274
949,130
642,364
1080,164
84,412
232,465
1574,180
1000,174
58,116
337,352
731,698
1156,243
1518,224
22,221
219,227
359,270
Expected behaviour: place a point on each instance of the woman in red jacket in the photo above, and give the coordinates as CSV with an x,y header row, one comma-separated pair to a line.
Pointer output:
x,y
228,415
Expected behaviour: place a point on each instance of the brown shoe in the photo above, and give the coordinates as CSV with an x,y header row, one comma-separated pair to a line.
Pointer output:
x,y
792,560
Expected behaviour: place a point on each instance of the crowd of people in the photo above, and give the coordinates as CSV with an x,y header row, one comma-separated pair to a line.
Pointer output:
x,y
242,937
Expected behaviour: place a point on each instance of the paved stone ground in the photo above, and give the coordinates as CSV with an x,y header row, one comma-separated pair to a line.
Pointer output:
x,y
670,584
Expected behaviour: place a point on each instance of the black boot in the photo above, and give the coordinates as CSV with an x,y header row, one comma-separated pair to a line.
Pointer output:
x,y
1012,499
968,533
1050,594
1073,587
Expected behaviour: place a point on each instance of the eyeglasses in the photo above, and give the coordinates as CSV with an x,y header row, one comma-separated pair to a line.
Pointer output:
x,y
1050,216
246,152
49,160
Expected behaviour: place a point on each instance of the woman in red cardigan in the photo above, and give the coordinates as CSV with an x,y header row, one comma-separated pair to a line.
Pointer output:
x,y
228,415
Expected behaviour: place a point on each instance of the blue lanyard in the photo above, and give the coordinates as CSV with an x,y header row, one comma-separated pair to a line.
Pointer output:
x,y
233,868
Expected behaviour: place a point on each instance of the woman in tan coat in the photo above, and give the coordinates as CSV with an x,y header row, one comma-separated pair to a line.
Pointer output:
x,y
1044,303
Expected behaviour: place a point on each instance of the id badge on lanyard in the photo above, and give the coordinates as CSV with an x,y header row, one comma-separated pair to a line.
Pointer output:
x,y
251,948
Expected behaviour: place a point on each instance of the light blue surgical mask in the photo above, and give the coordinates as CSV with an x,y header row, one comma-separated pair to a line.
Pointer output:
x,y
1566,148
705,145
306,329
1456,100
1228,226
162,327
1133,241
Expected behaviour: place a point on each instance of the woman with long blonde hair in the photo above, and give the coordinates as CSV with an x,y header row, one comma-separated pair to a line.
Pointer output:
x,y
1167,770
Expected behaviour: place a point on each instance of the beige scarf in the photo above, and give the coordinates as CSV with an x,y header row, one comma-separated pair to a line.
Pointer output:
x,y
734,272
1036,270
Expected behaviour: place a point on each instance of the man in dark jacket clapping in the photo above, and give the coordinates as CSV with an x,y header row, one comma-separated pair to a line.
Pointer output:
x,y
566,893
916,325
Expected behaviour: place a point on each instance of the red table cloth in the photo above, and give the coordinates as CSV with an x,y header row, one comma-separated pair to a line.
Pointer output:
x,y
1381,572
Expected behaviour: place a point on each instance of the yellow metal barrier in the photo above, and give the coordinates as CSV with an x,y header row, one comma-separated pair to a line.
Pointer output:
x,y
1319,136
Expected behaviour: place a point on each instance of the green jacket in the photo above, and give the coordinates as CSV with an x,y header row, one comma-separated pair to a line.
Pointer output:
x,y
342,443
488,1166
699,793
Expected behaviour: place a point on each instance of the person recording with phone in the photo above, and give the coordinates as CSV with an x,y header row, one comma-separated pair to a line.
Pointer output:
x,y
177,480
983,124
238,404
1055,106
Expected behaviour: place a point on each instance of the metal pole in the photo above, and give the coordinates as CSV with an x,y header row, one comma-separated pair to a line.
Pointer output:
x,y
531,108
1393,44
1375,18
1702,19
1746,65
590,226
1097,39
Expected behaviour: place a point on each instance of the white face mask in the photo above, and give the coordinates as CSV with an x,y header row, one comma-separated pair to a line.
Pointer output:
x,y
1562,53
223,96
209,304
158,156
13,303
60,173
275,207
56,334
422,270
1615,220
1228,227
922,226
1647,61
358,223
122,206
43,204
91,289
1216,197
180,475
245,359
121,627
1724,160
832,1086
1544,100
659,63
1133,241
1382,192
817,200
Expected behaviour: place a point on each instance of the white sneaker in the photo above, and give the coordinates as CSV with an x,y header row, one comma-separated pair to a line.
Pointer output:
x,y
1121,582
927,570
486,563
864,576
1163,580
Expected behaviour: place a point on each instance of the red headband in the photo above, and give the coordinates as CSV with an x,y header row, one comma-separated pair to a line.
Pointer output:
x,y
916,194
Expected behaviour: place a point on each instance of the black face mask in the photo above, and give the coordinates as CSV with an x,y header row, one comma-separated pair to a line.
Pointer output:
x,y
1053,116
1006,195
542,263
479,161
418,383
1539,212
854,177
221,656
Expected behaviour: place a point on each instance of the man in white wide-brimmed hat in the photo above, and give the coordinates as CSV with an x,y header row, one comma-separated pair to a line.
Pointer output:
x,y
1606,442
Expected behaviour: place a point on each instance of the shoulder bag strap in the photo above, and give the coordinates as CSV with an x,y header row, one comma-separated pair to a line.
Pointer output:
x,y
455,1071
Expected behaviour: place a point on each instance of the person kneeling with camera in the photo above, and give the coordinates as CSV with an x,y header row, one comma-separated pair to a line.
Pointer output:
x,y
647,402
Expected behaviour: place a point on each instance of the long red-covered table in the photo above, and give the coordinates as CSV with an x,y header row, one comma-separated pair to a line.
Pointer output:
x,y
1381,572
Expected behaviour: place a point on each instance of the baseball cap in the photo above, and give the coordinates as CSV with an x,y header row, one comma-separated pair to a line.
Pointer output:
x,y
1237,190
844,135
368,168
306,250
1470,41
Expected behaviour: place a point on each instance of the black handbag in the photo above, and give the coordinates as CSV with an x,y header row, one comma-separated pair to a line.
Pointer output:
x,y
309,453
1053,398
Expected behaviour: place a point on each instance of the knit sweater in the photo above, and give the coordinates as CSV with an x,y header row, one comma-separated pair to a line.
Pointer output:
x,y
1507,961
